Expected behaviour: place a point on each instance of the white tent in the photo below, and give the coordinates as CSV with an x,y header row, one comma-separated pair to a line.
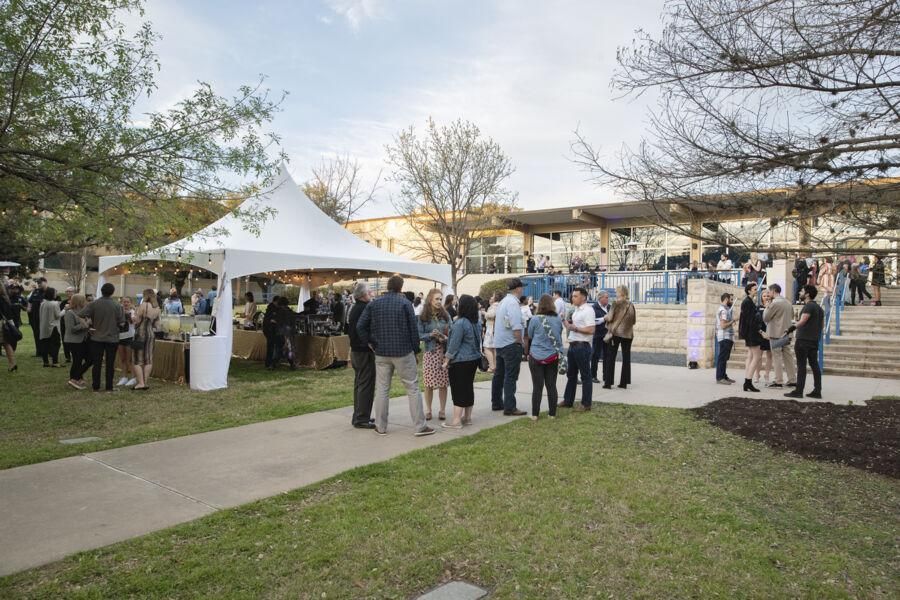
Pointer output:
x,y
292,235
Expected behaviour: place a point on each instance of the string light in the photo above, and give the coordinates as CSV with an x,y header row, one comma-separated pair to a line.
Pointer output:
x,y
34,211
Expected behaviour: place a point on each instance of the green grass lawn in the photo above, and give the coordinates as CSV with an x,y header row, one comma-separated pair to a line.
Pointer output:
x,y
624,502
37,408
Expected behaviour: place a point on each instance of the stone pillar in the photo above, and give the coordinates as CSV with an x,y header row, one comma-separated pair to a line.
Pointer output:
x,y
604,243
780,273
703,301
696,253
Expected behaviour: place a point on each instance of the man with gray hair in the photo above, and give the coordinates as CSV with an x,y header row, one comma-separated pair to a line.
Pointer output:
x,y
363,360
601,309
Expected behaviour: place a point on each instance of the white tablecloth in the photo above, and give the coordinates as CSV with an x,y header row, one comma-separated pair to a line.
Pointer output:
x,y
210,357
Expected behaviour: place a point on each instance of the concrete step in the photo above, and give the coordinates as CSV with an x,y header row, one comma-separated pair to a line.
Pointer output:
x,y
831,362
876,373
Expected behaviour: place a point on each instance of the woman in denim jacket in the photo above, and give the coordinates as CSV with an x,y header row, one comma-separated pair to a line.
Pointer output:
x,y
434,325
462,358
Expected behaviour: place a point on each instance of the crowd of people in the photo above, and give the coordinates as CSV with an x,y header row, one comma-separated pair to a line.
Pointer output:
x,y
458,336
92,333
766,324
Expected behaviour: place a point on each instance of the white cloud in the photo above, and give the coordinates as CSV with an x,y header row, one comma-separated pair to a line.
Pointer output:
x,y
355,11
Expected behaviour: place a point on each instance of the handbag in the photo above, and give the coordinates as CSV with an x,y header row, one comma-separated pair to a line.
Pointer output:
x,y
11,333
563,360
483,364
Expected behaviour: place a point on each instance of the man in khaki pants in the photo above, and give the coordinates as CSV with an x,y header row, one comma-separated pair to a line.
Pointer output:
x,y
778,316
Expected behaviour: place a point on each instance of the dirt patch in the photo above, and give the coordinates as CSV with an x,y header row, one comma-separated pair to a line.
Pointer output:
x,y
865,437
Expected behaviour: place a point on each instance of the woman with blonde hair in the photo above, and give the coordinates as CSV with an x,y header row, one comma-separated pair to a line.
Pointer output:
x,y
489,316
434,327
620,332
75,340
763,366
146,321
123,352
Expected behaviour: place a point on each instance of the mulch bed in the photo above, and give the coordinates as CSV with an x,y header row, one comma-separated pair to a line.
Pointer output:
x,y
865,437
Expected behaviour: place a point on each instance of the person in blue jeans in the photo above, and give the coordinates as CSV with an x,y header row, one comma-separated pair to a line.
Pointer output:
x,y
508,343
581,334
724,338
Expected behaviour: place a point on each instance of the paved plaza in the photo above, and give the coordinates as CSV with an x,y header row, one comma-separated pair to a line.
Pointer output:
x,y
51,510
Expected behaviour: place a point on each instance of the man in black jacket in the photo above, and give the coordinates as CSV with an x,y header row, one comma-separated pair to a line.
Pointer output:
x,y
363,360
601,309
270,331
34,312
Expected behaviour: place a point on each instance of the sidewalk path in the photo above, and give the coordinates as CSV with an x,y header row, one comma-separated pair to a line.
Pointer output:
x,y
51,510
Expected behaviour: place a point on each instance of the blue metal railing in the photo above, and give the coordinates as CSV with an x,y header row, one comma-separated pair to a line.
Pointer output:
x,y
835,305
644,287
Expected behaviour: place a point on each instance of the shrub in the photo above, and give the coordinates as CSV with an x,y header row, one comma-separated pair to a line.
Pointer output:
x,y
489,288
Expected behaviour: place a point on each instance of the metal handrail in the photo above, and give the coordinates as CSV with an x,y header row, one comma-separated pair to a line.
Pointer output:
x,y
645,287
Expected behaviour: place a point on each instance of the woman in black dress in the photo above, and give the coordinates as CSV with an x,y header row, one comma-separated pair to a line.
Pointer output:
x,y
748,329
878,279
765,364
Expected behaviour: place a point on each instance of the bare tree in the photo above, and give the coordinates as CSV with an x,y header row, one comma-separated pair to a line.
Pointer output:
x,y
337,188
778,110
451,188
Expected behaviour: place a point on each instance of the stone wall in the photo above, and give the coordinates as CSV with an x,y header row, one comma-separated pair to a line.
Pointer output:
x,y
660,328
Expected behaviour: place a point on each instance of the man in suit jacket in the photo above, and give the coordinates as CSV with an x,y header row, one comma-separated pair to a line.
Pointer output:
x,y
601,309
778,316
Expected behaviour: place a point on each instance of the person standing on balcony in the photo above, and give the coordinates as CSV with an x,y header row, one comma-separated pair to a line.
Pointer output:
x,y
508,341
801,276
601,310
827,283
878,279
724,338
725,263
581,335
777,317
748,329
809,331
529,263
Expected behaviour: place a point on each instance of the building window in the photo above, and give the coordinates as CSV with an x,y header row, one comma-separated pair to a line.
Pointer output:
x,y
496,254
564,247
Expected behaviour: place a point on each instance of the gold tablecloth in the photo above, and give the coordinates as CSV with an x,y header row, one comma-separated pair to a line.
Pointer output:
x,y
321,352
168,361
249,345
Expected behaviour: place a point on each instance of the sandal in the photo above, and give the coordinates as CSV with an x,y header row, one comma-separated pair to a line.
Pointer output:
x,y
442,416
428,416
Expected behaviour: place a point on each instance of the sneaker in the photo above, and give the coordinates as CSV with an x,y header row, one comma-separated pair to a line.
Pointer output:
x,y
582,408
131,382
815,394
378,431
75,384
424,432
794,384
723,382
123,381
533,418
449,426
595,380
729,379
774,385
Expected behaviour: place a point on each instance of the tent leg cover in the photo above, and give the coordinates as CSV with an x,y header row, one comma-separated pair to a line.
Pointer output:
x,y
210,357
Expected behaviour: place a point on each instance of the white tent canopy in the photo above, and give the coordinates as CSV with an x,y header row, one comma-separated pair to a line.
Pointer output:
x,y
293,235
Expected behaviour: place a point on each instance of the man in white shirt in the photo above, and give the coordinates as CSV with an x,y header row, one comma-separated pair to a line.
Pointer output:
x,y
560,304
508,343
581,334
725,263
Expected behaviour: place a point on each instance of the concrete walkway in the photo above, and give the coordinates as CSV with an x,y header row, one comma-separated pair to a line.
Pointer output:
x,y
51,510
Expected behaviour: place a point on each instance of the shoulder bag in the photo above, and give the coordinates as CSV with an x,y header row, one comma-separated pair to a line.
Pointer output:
x,y
483,364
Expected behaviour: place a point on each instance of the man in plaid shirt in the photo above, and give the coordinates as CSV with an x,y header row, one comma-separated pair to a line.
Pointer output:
x,y
388,326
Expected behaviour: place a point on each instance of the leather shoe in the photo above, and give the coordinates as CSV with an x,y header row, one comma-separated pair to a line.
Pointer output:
x,y
607,387
582,408
514,413
595,380
364,425
794,394
563,405
815,394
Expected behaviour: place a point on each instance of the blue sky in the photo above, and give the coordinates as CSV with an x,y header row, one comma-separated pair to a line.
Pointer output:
x,y
358,71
